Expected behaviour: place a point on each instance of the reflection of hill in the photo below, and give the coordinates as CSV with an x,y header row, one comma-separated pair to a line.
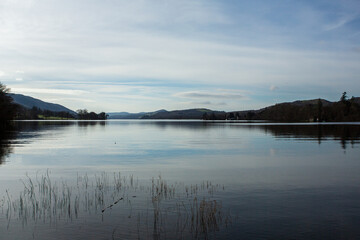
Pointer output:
x,y
345,133
27,126
25,131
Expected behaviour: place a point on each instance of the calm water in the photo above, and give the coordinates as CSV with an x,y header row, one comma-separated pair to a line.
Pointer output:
x,y
179,180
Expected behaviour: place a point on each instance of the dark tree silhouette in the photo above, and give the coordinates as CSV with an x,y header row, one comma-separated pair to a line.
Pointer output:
x,y
83,114
344,97
305,111
7,107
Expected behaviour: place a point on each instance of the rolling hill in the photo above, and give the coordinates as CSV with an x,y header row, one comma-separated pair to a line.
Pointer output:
x,y
303,111
30,102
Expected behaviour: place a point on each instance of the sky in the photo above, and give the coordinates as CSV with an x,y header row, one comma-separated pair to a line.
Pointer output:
x,y
146,55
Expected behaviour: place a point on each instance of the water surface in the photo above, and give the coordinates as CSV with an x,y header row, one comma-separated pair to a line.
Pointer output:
x,y
269,180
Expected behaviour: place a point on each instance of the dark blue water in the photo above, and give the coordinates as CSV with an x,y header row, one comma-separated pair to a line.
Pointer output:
x,y
267,181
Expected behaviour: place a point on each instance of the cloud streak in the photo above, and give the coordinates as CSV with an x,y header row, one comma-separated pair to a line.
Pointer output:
x,y
209,95
186,49
48,91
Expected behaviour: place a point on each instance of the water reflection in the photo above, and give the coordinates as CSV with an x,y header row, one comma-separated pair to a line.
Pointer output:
x,y
281,180
6,137
91,123
24,132
345,134
154,209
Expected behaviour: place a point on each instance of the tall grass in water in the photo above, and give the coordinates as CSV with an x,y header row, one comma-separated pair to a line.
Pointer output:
x,y
156,208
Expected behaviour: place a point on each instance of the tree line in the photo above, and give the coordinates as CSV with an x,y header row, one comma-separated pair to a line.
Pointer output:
x,y
83,114
306,111
35,113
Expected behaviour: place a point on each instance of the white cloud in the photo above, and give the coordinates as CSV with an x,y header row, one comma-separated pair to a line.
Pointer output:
x,y
87,44
340,22
200,104
132,43
48,91
209,95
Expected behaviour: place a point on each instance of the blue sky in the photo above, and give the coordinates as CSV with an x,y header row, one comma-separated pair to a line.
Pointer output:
x,y
138,55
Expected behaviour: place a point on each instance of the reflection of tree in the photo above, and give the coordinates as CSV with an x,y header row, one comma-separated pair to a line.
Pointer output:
x,y
344,133
91,123
6,135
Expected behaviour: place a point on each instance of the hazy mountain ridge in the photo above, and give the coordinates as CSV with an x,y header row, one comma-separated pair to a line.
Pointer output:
x,y
195,113
30,102
127,115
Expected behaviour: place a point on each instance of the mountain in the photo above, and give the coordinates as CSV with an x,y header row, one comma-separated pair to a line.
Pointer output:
x,y
304,111
298,103
30,102
126,115
196,113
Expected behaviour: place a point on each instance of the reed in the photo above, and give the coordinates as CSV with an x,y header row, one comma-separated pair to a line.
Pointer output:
x,y
183,210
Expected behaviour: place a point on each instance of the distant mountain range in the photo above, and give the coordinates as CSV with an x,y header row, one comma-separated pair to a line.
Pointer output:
x,y
196,113
127,115
301,110
30,102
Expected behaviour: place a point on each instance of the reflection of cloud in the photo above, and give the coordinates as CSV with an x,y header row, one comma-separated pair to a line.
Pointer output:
x,y
200,94
273,152
138,42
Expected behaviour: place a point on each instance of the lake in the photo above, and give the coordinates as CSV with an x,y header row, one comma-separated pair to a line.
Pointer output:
x,y
179,180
